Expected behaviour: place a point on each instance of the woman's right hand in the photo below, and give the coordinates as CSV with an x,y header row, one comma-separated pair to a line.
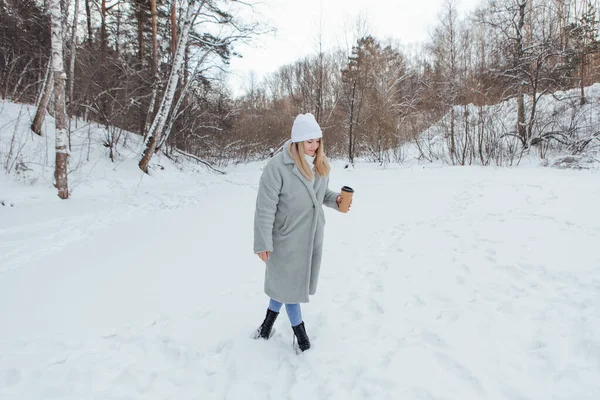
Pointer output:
x,y
264,255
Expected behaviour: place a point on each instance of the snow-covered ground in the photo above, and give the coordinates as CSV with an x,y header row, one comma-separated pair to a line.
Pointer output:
x,y
441,283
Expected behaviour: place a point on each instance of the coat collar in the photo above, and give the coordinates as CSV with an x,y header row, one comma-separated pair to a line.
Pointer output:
x,y
287,159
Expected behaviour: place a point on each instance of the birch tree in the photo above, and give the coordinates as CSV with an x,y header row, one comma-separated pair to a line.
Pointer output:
x,y
155,76
193,9
60,173
219,30
46,93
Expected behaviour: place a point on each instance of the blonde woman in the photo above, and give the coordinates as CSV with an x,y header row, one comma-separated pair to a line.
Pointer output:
x,y
289,224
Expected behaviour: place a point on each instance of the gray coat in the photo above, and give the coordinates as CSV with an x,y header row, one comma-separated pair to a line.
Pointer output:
x,y
289,222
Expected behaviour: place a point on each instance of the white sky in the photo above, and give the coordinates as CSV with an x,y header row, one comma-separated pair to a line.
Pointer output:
x,y
297,23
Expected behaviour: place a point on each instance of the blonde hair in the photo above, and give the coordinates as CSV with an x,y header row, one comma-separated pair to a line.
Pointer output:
x,y
322,167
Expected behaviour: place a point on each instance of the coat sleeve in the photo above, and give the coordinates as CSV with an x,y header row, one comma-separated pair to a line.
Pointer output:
x,y
330,197
266,205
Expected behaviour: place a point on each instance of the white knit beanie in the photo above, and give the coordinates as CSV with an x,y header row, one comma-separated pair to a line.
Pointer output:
x,y
305,128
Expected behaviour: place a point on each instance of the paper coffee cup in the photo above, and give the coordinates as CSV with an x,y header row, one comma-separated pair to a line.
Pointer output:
x,y
346,197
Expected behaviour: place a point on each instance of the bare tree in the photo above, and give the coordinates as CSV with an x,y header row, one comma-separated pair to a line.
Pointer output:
x,y
206,47
88,14
155,76
59,100
445,49
173,29
73,47
584,38
526,51
356,78
155,132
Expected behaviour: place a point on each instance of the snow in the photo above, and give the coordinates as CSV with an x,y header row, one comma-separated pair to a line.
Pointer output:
x,y
563,123
441,283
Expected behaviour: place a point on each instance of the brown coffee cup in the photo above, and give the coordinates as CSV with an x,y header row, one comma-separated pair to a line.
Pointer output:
x,y
346,198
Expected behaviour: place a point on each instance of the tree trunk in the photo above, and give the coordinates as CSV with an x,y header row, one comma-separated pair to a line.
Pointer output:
x,y
118,28
154,40
175,112
186,65
481,129
140,36
60,173
521,128
173,29
351,133
72,64
452,139
320,87
467,135
534,100
581,83
140,15
44,82
103,33
150,113
40,114
167,100
88,13
155,78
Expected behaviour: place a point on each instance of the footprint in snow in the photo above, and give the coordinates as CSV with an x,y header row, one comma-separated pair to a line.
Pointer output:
x,y
9,377
375,306
460,370
434,339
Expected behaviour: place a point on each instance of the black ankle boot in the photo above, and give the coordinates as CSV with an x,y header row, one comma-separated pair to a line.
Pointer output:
x,y
301,336
264,331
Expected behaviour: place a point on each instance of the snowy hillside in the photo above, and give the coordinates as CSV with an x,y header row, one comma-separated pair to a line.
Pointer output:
x,y
487,135
27,160
441,283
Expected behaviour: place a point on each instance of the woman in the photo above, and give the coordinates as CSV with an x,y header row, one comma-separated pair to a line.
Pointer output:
x,y
289,222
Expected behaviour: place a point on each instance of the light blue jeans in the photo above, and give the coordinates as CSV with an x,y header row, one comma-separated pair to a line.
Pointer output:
x,y
293,311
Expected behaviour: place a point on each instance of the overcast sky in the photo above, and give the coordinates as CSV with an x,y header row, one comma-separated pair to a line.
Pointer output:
x,y
297,23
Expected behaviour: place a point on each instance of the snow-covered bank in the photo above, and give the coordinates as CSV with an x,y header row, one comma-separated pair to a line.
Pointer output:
x,y
27,162
487,135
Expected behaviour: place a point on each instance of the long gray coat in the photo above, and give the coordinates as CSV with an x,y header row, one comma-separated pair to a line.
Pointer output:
x,y
289,222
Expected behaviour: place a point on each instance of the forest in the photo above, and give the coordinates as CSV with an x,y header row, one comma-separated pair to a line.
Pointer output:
x,y
158,68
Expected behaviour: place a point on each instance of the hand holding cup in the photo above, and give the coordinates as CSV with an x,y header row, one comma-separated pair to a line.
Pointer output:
x,y
344,200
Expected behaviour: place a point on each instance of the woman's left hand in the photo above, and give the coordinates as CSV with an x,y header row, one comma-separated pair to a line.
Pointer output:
x,y
338,200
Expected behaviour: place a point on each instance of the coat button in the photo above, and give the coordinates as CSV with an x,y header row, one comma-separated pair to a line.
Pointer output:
x,y
313,206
